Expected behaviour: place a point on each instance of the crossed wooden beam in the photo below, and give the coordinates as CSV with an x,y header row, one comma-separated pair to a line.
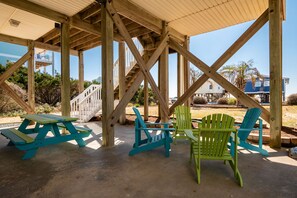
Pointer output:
x,y
10,91
209,72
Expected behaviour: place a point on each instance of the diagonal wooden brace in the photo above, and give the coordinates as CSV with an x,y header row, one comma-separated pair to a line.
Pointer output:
x,y
257,25
140,77
124,32
14,67
211,73
14,96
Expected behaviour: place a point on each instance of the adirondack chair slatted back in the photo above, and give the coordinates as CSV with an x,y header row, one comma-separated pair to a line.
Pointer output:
x,y
183,117
140,123
213,137
249,121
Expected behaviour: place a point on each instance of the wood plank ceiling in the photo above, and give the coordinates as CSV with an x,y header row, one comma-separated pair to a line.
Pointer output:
x,y
192,17
81,40
188,17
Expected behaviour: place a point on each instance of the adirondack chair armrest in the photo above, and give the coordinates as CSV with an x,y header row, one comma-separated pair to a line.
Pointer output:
x,y
233,137
157,123
245,130
155,129
190,135
209,129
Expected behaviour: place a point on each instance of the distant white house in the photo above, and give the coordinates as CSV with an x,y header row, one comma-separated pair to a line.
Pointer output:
x,y
210,90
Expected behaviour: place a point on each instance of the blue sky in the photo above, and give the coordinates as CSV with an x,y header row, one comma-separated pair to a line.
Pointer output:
x,y
209,46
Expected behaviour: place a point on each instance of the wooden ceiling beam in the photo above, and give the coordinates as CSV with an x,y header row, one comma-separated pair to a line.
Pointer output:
x,y
73,32
37,9
78,36
54,33
141,16
85,40
42,11
90,44
24,42
90,12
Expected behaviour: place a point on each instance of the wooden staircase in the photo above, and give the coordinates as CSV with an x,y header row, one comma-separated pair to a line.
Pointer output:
x,y
87,104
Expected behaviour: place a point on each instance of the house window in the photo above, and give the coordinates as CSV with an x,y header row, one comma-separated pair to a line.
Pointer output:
x,y
258,84
210,86
219,87
266,83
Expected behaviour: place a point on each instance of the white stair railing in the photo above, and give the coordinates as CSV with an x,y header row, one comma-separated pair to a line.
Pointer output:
x,y
75,102
89,102
130,62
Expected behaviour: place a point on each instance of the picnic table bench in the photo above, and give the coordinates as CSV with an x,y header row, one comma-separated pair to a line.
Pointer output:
x,y
44,123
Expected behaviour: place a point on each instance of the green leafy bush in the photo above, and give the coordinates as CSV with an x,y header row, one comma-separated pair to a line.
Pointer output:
x,y
199,100
222,101
137,105
232,101
292,99
46,108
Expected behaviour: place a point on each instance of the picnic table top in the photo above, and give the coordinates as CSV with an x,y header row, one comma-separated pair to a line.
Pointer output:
x,y
47,118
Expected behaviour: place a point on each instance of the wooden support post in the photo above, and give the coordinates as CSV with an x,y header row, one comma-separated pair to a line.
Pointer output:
x,y
107,77
180,84
275,37
163,70
187,71
146,100
31,82
81,74
122,77
146,92
65,69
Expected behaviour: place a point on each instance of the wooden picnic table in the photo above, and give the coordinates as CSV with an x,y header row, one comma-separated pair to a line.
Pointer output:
x,y
44,123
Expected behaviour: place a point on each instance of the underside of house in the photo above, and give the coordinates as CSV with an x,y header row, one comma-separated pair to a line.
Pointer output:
x,y
151,30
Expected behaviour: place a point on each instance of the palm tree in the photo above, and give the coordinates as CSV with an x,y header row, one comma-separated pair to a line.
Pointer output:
x,y
239,74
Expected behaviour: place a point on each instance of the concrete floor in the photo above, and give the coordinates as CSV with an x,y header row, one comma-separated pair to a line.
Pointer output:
x,y
65,170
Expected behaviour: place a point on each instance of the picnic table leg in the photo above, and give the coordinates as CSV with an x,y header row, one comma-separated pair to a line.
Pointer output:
x,y
30,153
73,131
24,125
38,141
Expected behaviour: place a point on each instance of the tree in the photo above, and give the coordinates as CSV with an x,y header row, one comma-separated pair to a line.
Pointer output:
x,y
139,96
239,74
194,74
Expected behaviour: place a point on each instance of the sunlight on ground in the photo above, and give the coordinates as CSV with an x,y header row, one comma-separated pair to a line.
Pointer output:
x,y
95,144
283,160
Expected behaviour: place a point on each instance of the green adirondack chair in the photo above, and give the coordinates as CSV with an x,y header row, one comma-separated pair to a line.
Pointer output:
x,y
250,119
183,122
210,142
151,141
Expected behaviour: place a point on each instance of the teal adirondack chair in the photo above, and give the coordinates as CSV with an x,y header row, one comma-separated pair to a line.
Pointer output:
x,y
210,142
251,117
183,121
150,142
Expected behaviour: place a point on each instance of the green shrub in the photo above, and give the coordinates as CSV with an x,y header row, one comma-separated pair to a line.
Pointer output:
x,y
46,108
137,105
232,101
199,100
292,99
222,101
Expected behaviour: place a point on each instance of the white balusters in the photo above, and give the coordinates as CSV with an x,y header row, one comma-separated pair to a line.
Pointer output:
x,y
89,102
